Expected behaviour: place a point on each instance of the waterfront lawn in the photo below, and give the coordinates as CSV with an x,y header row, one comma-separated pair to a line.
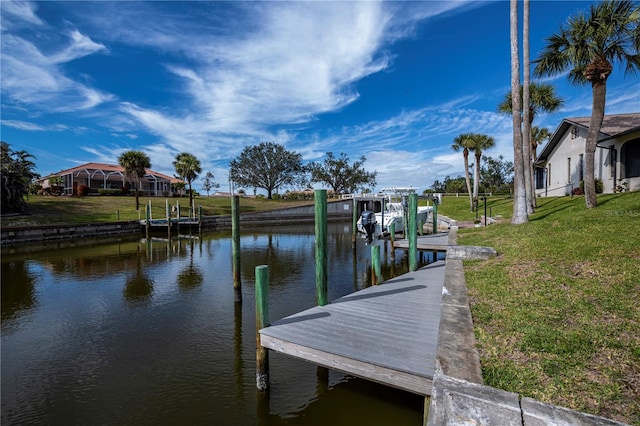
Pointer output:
x,y
556,314
47,210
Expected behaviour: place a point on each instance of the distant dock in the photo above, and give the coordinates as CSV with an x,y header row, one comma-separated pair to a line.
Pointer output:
x,y
432,242
386,333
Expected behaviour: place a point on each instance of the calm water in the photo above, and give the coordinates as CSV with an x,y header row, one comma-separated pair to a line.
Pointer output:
x,y
133,332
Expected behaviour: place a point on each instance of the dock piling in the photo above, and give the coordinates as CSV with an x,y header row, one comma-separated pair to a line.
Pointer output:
x,y
376,276
320,197
435,216
413,237
392,238
262,321
235,244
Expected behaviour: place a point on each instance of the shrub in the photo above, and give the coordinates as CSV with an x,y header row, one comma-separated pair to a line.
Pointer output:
x,y
109,192
83,190
599,187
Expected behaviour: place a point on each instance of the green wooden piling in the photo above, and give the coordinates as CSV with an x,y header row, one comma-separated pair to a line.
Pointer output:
x,y
235,244
354,221
376,276
262,321
435,216
200,218
118,213
413,237
392,236
320,197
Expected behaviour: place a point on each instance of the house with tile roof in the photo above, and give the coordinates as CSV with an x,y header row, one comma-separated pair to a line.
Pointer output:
x,y
109,176
560,166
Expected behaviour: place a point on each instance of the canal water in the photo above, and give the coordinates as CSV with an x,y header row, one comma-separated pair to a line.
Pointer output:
x,y
134,332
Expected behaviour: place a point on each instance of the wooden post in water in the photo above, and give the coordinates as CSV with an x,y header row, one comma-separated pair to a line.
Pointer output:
x,y
320,197
354,221
376,276
168,212
392,238
235,244
118,213
147,216
413,237
178,217
262,321
200,218
435,216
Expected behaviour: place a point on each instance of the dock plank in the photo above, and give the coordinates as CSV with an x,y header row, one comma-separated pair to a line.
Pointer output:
x,y
386,333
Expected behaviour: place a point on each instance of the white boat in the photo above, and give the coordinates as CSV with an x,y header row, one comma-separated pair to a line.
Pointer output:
x,y
393,212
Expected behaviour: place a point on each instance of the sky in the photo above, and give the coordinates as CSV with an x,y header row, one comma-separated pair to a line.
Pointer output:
x,y
395,82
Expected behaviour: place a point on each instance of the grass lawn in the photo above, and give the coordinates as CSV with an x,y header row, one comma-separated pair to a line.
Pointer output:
x,y
557,313
45,210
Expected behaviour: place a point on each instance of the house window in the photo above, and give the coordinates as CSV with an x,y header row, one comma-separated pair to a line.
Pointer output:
x,y
569,170
581,167
613,158
539,174
630,156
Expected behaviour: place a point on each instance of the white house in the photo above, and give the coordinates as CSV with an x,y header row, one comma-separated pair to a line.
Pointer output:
x,y
560,166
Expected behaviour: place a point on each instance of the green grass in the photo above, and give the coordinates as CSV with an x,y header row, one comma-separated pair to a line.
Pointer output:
x,y
557,314
47,210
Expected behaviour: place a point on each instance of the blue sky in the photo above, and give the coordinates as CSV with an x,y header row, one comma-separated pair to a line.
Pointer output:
x,y
394,81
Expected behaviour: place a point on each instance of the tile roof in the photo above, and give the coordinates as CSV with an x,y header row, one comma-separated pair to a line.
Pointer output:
x,y
113,168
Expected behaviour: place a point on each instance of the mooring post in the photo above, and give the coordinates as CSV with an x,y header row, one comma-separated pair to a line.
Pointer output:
x,y
118,213
320,197
178,217
168,212
420,227
147,217
200,218
376,276
435,216
235,244
392,238
354,221
262,321
413,237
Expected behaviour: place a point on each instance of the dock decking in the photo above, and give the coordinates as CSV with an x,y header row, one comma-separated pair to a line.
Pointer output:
x,y
386,333
432,242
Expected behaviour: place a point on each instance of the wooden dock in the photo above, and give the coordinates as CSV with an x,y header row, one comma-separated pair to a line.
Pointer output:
x,y
432,242
386,333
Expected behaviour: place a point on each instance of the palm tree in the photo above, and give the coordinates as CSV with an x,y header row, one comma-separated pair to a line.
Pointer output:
x,y
464,142
519,194
187,167
588,46
135,165
480,142
542,99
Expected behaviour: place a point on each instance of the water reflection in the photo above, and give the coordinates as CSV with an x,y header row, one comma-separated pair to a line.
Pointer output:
x,y
147,332
18,288
138,286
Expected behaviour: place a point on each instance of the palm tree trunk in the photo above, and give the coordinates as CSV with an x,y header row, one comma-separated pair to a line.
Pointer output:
x,y
519,197
527,119
599,91
468,179
476,176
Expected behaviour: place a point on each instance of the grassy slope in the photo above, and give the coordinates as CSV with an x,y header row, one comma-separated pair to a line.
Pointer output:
x,y
557,313
44,210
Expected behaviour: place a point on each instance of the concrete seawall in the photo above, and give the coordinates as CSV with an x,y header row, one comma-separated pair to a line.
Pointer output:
x,y
336,210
